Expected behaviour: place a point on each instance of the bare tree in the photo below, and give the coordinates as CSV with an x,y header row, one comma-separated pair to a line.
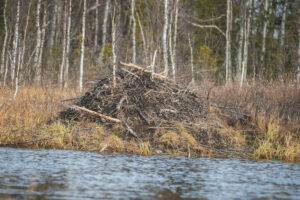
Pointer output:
x,y
192,59
66,74
96,25
2,67
247,27
164,38
263,46
282,35
104,29
228,42
38,71
133,32
53,25
82,46
63,59
113,43
15,43
298,73
241,40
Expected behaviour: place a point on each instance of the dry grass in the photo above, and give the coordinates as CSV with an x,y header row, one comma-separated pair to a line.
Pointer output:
x,y
272,130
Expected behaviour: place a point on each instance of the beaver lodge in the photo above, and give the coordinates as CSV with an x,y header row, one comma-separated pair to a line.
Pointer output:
x,y
159,115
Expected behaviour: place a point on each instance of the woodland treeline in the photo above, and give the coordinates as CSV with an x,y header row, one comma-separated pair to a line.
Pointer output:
x,y
67,42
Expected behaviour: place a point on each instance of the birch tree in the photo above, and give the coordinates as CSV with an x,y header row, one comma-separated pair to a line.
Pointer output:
x,y
113,43
63,59
241,40
247,27
263,46
164,38
192,59
38,71
133,32
228,42
282,35
82,46
96,25
15,43
66,74
53,25
173,40
2,67
104,30
298,70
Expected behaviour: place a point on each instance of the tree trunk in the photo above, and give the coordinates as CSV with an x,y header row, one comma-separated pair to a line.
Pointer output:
x,y
298,73
63,59
164,38
5,40
228,42
282,35
96,25
21,61
53,26
15,44
43,35
263,46
113,41
175,41
66,75
133,32
82,46
247,27
192,60
104,30
241,40
153,63
38,71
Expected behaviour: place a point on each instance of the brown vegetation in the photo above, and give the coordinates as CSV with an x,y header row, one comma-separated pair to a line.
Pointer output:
x,y
261,121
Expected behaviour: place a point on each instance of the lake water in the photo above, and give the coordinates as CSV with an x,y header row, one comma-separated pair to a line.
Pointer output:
x,y
55,174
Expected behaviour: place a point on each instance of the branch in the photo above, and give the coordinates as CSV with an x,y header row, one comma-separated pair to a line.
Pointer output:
x,y
96,113
207,26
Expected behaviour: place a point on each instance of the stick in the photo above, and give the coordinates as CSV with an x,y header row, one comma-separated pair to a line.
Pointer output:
x,y
159,76
98,114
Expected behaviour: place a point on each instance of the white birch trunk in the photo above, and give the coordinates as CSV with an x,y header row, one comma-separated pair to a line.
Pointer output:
x,y
240,49
21,61
53,26
66,74
298,71
246,41
228,42
82,46
153,63
63,59
96,26
171,47
133,32
43,35
113,38
164,38
263,46
5,40
175,41
282,35
104,30
37,78
15,43
192,60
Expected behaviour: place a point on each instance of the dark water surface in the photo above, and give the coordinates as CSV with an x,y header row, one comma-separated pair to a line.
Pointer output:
x,y
53,174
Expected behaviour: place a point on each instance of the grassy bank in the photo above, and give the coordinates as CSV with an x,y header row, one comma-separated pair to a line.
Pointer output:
x,y
267,128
